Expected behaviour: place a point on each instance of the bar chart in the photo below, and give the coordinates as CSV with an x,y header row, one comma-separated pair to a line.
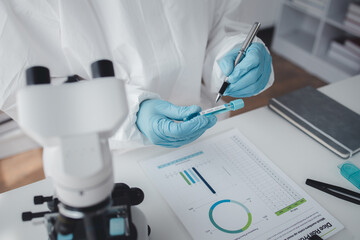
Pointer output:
x,y
192,176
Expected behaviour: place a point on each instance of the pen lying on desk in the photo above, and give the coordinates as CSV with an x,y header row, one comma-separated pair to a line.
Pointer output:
x,y
336,191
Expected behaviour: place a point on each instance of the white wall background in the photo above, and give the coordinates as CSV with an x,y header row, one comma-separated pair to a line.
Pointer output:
x,y
264,11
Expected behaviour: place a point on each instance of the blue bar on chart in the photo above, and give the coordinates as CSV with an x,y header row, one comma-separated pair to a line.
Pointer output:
x,y
193,174
204,181
188,175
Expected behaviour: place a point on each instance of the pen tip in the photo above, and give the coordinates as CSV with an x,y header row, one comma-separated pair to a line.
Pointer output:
x,y
217,98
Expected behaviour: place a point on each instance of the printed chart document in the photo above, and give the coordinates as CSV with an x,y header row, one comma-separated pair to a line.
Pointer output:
x,y
224,188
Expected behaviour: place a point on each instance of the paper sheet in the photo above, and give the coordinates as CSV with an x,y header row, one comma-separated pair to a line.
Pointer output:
x,y
224,188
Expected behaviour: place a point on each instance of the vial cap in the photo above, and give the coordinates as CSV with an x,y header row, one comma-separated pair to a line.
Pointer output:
x,y
236,104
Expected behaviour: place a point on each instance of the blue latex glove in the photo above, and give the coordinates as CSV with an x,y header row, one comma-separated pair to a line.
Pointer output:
x,y
156,120
250,75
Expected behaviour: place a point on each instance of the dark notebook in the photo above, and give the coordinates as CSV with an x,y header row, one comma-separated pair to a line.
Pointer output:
x,y
327,121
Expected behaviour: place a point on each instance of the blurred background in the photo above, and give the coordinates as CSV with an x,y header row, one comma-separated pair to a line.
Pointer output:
x,y
312,42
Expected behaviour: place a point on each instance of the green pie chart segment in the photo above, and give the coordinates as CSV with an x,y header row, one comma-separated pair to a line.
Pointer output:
x,y
227,230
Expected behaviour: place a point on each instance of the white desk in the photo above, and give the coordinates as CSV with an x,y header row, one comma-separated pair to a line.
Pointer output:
x,y
299,156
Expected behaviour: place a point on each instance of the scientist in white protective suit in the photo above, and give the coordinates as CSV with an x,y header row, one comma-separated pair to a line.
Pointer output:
x,y
172,54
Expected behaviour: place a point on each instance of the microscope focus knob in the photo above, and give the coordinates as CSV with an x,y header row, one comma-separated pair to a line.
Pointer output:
x,y
28,216
41,199
37,75
137,196
102,68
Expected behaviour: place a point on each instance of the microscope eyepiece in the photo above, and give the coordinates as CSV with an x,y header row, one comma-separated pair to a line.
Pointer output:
x,y
37,75
102,68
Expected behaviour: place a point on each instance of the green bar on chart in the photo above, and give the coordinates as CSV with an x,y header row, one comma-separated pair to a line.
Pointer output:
x,y
186,180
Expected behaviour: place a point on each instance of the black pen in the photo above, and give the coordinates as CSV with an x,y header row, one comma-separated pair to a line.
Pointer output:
x,y
248,40
336,191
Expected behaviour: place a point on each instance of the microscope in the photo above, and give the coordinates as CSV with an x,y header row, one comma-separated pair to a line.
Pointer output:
x,y
76,119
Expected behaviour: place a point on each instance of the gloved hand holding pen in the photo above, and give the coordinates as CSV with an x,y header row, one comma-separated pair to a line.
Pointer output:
x,y
162,123
251,75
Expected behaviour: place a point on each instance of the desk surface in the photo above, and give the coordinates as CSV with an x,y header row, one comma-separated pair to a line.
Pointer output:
x,y
299,156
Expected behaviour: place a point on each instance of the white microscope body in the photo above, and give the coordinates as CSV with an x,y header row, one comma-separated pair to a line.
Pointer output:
x,y
77,119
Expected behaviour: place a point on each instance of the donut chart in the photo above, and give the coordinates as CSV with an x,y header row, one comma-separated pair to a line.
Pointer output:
x,y
242,229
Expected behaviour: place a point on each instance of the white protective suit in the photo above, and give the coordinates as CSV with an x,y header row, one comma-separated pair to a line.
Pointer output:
x,y
165,49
